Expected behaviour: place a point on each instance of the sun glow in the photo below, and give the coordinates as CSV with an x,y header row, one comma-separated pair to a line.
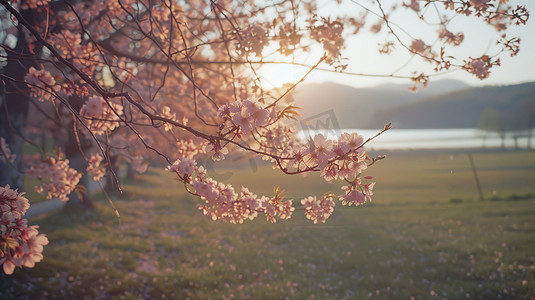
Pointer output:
x,y
276,75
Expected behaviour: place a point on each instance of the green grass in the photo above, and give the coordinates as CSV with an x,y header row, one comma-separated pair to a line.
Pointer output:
x,y
411,241
30,193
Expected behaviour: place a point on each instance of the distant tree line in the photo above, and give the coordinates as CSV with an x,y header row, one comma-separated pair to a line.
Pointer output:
x,y
516,124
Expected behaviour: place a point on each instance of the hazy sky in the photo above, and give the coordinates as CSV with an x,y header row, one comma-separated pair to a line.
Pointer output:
x,y
479,38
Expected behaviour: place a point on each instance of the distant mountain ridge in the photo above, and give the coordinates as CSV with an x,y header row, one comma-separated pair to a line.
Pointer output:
x,y
356,107
444,104
461,109
438,87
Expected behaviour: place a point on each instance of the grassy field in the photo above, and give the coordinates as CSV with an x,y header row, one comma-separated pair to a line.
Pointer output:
x,y
412,241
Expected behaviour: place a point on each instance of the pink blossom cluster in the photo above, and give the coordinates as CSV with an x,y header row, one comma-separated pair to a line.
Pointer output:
x,y
42,84
20,245
510,44
245,114
95,166
252,39
83,55
5,152
70,88
102,116
85,11
496,13
27,4
480,4
13,205
344,159
329,34
493,14
222,202
422,79
341,159
480,66
57,178
358,22
418,46
189,149
520,15
166,113
376,28
414,5
357,193
217,150
274,208
278,139
386,47
289,39
184,166
450,37
320,210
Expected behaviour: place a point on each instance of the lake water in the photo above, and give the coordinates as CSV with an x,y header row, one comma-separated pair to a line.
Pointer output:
x,y
430,138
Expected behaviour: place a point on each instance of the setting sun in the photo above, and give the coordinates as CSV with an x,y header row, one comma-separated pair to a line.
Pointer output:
x,y
276,75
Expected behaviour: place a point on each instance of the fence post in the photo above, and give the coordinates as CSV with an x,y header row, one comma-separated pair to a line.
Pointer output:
x,y
475,176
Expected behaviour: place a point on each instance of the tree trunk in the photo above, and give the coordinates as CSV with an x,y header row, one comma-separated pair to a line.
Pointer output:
x,y
85,201
12,122
78,162
14,104
73,151
130,171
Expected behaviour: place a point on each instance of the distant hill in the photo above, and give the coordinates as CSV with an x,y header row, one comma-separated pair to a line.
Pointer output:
x,y
357,107
433,88
460,109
